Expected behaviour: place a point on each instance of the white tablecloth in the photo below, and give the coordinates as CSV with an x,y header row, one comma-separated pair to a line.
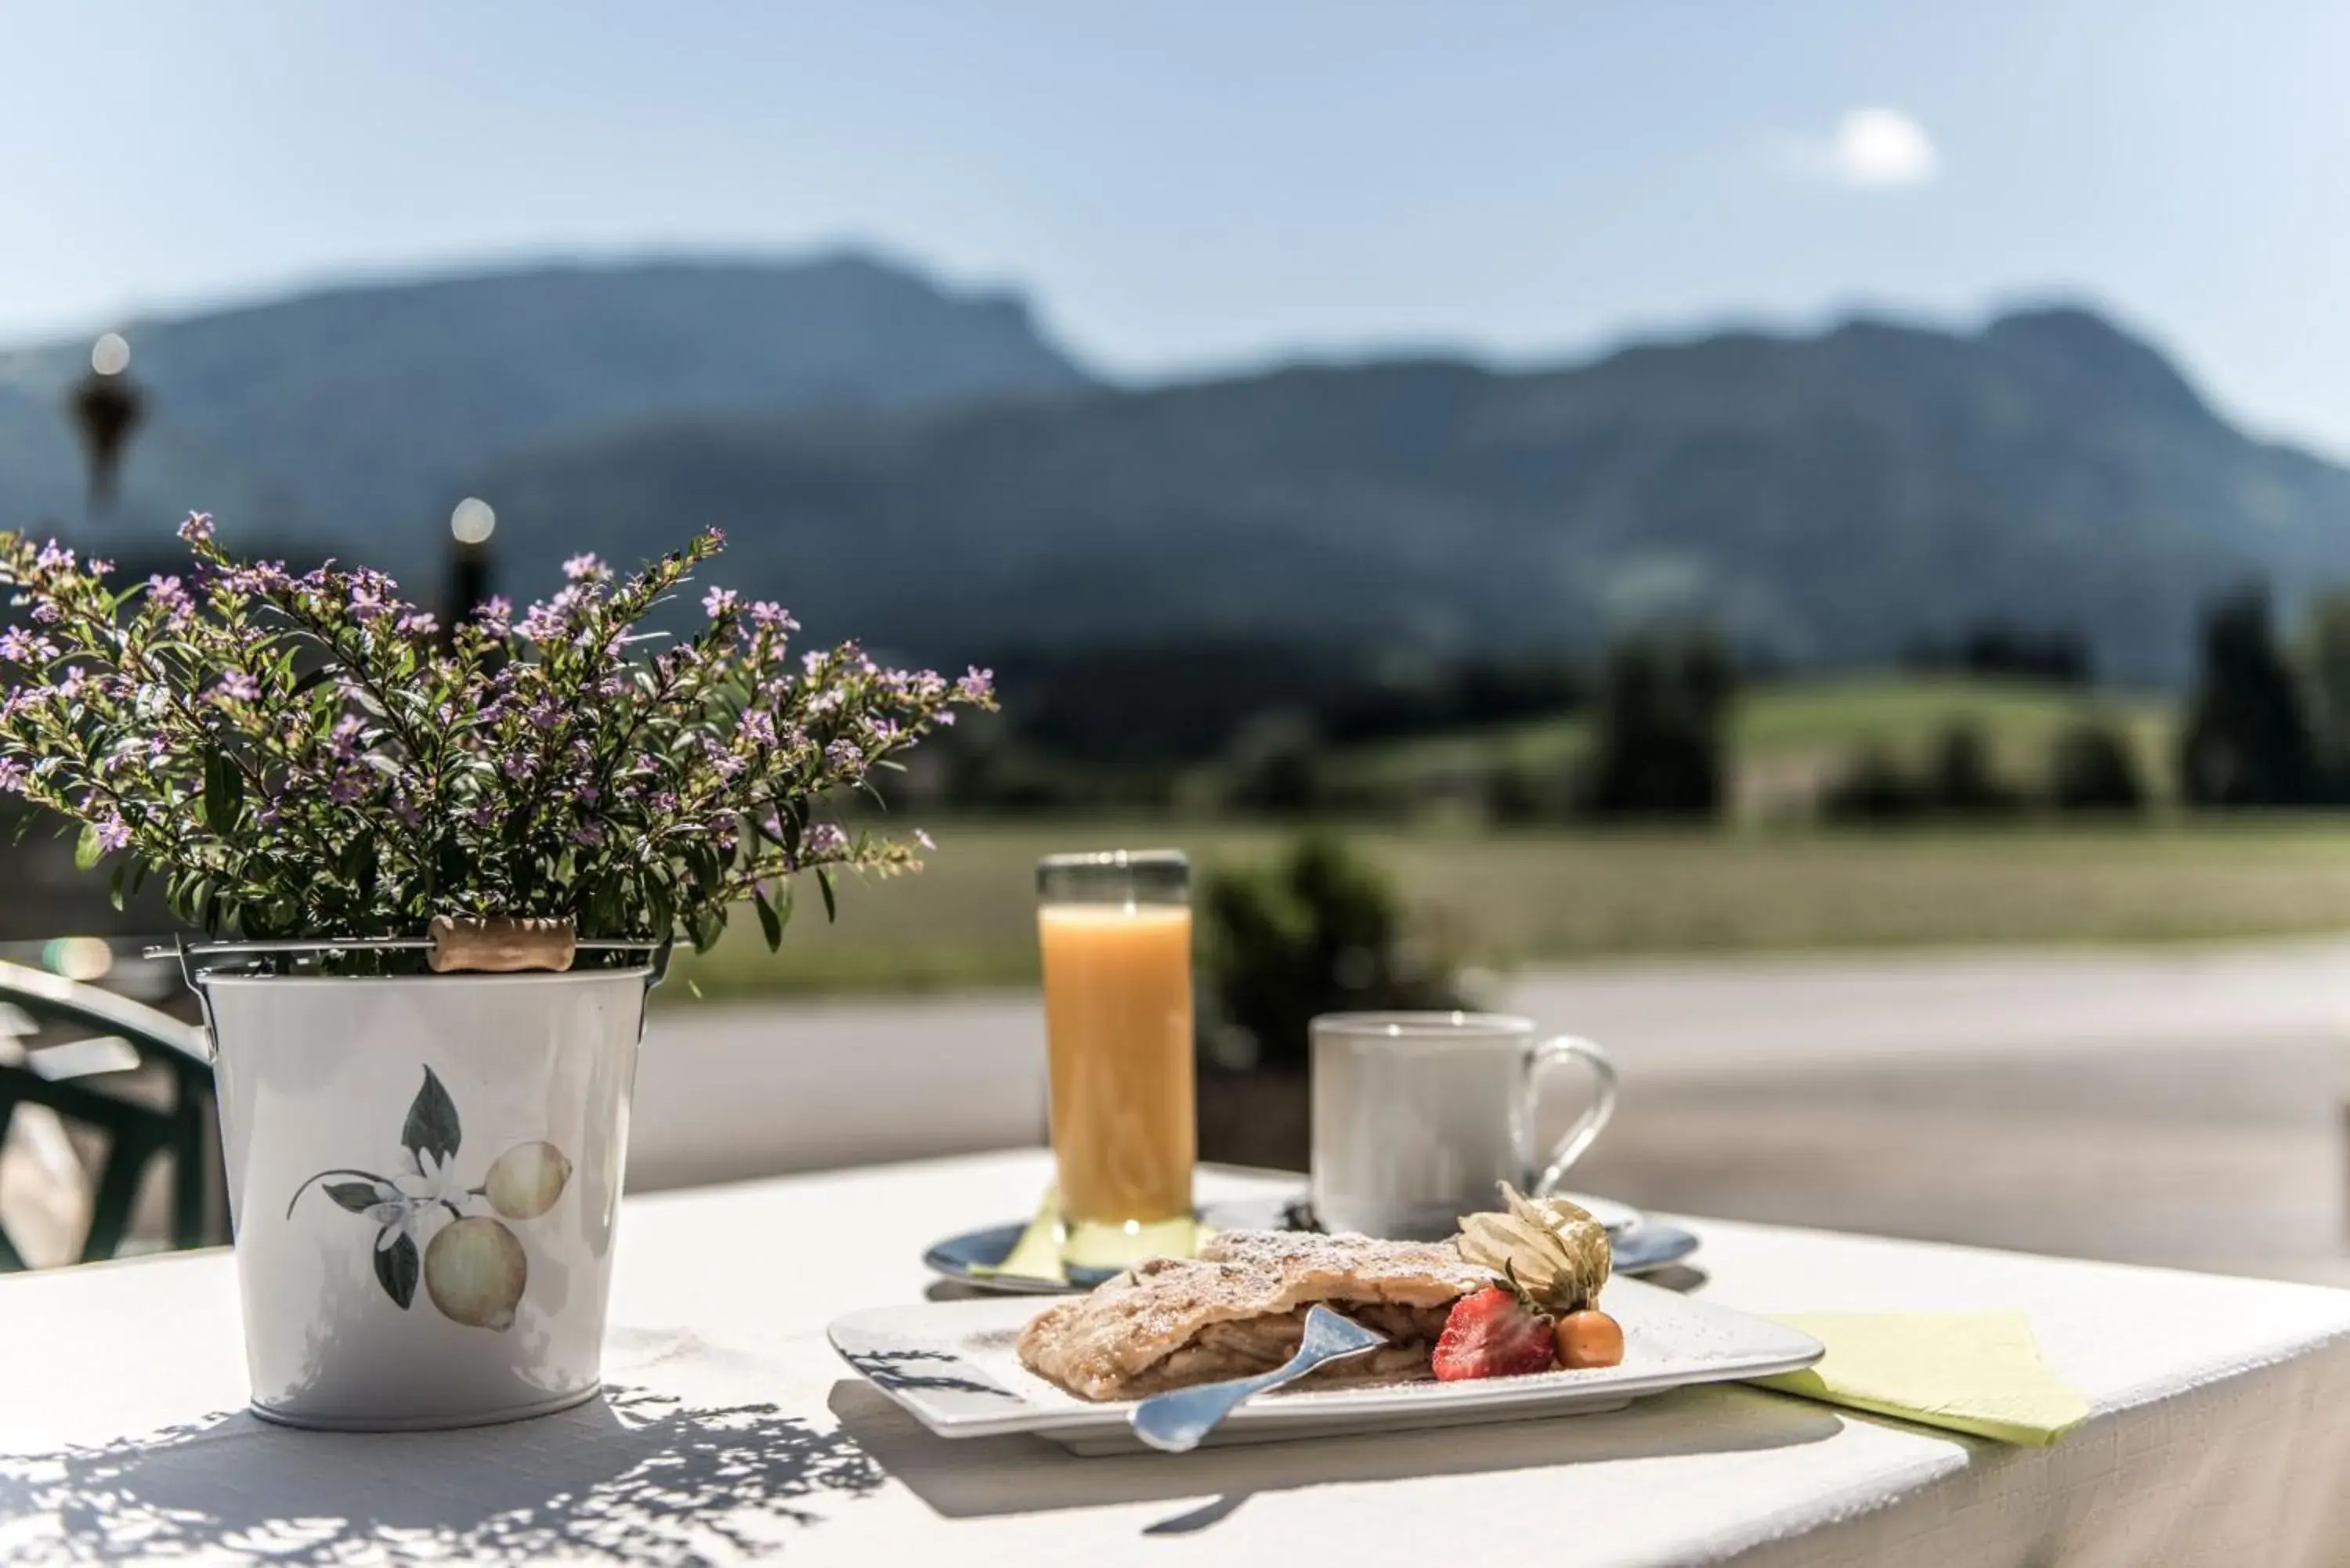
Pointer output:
x,y
2222,1432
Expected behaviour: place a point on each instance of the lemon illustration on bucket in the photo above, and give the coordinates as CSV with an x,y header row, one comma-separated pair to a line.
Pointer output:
x,y
526,1180
475,1271
472,1265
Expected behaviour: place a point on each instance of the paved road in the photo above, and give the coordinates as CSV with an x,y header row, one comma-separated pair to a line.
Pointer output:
x,y
2166,1106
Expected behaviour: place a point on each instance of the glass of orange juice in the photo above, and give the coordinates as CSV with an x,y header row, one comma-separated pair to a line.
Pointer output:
x,y
1115,933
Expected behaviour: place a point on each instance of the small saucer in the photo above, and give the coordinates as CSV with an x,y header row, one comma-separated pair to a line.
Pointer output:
x,y
1640,1244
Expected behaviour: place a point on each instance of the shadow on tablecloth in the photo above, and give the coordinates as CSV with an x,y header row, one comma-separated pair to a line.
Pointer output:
x,y
635,1478
972,1477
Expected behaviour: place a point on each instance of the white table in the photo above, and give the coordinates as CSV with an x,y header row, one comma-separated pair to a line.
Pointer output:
x,y
2221,1434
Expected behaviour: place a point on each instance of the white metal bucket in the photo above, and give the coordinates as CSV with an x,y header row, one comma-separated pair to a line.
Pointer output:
x,y
423,1176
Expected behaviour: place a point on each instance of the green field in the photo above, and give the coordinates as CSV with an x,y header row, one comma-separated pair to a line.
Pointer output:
x,y
1519,898
1771,882
1787,737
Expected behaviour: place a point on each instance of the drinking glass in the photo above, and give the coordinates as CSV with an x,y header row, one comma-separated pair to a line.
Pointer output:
x,y
1115,929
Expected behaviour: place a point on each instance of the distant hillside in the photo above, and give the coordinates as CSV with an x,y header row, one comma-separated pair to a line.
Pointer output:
x,y
353,415
1825,498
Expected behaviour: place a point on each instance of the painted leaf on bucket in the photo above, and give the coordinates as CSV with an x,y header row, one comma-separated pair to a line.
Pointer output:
x,y
359,1196
396,1268
431,1121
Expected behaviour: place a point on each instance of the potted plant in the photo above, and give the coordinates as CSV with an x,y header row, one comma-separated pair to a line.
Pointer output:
x,y
424,1160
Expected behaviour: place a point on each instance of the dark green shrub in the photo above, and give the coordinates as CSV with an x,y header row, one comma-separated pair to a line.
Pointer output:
x,y
1873,789
1320,931
1659,748
1960,778
2092,768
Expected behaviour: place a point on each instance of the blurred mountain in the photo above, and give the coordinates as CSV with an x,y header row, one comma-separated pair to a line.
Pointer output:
x,y
1823,499
350,417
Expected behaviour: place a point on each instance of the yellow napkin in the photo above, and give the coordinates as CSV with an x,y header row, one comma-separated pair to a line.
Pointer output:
x,y
1047,1248
1973,1372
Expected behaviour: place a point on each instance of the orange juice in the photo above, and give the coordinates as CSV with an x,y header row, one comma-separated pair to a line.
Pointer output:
x,y
1117,1025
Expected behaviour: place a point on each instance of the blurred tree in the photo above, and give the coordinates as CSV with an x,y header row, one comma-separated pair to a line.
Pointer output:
x,y
2092,767
1959,777
1994,647
1276,766
1872,788
1518,793
2325,665
1659,748
1320,931
2246,741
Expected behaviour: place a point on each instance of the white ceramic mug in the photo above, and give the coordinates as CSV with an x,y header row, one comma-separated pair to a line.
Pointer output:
x,y
1417,1115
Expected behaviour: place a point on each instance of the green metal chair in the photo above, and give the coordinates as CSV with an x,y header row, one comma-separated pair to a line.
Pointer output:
x,y
72,1037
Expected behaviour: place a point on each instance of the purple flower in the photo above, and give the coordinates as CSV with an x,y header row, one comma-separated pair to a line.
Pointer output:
x,y
21,647
198,528
824,839
720,601
977,685
113,833
845,756
548,622
12,776
587,835
236,686
54,557
46,613
759,725
773,616
586,568
420,623
262,577
497,616
172,596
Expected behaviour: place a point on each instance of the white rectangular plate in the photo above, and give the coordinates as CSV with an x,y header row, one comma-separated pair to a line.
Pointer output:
x,y
953,1365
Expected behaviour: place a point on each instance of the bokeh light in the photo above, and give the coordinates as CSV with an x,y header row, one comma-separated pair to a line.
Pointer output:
x,y
473,521
110,354
79,958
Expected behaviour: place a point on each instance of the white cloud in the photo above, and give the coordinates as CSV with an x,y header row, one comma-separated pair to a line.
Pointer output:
x,y
1870,149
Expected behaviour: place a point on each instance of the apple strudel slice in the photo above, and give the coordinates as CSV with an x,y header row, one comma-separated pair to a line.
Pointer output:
x,y
1238,1308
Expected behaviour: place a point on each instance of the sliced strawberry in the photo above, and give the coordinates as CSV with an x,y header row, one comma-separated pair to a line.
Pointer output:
x,y
1492,1335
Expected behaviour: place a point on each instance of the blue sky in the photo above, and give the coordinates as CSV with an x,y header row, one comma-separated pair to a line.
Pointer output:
x,y
1186,187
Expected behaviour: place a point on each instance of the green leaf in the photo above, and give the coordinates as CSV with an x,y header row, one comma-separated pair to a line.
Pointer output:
x,y
431,1122
224,792
87,850
770,923
359,1196
831,908
396,1269
114,895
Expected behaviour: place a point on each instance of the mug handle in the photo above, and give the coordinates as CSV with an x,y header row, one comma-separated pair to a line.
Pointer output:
x,y
1592,1122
